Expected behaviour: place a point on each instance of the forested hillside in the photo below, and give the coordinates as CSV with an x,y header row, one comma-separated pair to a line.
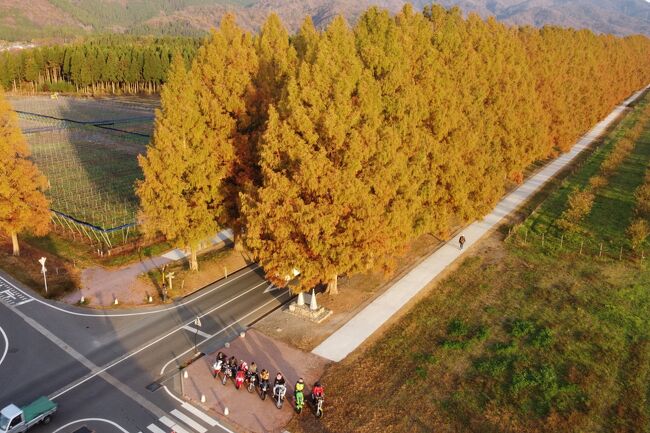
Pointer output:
x,y
115,64
24,20
329,150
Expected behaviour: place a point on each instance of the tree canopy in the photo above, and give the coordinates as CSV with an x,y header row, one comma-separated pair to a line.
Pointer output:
x,y
335,148
23,205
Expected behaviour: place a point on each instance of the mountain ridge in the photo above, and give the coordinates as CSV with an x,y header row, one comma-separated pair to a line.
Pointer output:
x,y
20,20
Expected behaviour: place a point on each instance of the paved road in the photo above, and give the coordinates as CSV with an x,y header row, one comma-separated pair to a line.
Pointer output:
x,y
110,368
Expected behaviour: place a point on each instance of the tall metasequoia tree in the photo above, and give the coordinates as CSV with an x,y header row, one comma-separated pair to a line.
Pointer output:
x,y
225,67
23,205
317,210
181,195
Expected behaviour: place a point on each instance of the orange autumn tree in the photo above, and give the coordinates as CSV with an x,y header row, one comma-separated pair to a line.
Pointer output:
x,y
181,189
225,67
317,210
23,205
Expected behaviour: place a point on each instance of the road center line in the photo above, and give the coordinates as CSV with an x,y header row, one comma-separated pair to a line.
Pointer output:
x,y
141,313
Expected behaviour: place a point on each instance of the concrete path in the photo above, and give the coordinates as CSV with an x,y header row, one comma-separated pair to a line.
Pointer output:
x,y
367,321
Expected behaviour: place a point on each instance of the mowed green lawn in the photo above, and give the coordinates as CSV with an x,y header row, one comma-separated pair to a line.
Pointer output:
x,y
520,338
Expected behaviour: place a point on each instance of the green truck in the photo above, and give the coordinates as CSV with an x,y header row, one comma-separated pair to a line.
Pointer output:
x,y
14,419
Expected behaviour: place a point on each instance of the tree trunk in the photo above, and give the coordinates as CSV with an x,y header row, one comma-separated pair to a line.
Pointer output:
x,y
333,286
14,241
239,241
194,263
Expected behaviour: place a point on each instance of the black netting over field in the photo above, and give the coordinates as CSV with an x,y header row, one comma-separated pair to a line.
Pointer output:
x,y
88,151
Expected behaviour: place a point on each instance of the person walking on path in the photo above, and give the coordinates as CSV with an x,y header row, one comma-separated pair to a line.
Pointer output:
x,y
461,241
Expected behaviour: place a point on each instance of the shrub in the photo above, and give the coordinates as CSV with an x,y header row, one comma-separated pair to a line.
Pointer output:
x,y
578,206
638,232
521,328
457,328
598,182
642,196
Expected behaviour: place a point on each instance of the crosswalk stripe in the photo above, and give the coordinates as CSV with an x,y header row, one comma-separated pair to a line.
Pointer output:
x,y
188,407
166,421
155,429
189,421
172,424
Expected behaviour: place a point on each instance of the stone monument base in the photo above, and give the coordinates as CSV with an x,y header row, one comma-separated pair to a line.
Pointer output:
x,y
316,316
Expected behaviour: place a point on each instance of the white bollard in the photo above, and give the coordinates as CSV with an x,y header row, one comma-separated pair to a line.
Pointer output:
x,y
313,306
150,299
227,345
242,334
301,299
115,302
185,375
202,398
83,300
226,412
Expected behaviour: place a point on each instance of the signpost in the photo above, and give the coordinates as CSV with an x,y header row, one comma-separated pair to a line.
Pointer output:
x,y
43,270
197,324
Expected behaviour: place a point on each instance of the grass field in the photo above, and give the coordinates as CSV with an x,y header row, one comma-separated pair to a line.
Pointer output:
x,y
520,338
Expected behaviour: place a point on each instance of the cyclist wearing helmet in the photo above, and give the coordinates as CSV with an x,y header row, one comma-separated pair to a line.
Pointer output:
x,y
300,385
279,380
317,391
264,375
243,366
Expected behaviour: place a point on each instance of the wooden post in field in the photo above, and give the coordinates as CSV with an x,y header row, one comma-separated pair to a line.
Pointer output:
x,y
526,237
620,254
581,244
561,240
542,240
600,254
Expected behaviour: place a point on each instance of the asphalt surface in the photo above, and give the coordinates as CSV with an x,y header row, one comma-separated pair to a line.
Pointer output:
x,y
108,370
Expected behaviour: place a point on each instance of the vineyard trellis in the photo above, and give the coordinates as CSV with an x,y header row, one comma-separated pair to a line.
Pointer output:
x,y
566,242
88,151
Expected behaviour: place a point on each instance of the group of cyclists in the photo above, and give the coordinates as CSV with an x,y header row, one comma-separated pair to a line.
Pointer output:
x,y
247,375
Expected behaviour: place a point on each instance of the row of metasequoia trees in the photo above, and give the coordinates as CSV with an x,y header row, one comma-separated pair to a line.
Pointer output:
x,y
111,64
328,151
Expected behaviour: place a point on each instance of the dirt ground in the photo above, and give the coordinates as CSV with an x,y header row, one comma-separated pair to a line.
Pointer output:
x,y
355,293
131,285
247,410
62,277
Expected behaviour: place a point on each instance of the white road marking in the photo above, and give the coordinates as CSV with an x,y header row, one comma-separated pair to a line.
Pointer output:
x,y
23,302
194,330
6,345
188,407
131,354
117,426
189,421
233,323
172,425
155,429
272,288
141,313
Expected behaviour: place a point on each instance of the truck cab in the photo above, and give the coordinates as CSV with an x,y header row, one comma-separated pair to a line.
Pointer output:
x,y
11,420
14,419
